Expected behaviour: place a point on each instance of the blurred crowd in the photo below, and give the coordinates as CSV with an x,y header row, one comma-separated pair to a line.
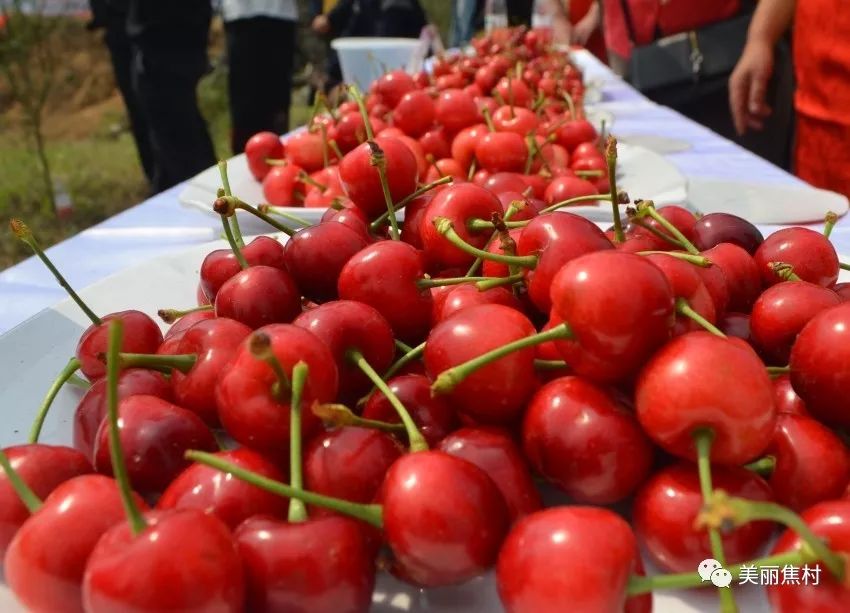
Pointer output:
x,y
728,64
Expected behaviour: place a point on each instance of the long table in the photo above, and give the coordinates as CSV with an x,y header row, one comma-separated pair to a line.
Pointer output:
x,y
160,224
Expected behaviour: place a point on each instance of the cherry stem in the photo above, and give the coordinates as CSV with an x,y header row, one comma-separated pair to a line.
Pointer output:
x,y
446,228
78,381
662,235
379,161
677,581
402,346
354,92
491,282
488,119
382,219
473,166
22,232
447,380
370,513
515,207
829,223
775,371
571,105
611,159
268,209
234,246
444,281
843,266
24,492
116,451
414,436
304,177
234,223
410,356
646,208
784,271
725,512
169,316
297,509
763,466
335,148
325,157
339,415
70,368
576,200
164,363
696,260
685,309
260,347
703,439
550,364
235,203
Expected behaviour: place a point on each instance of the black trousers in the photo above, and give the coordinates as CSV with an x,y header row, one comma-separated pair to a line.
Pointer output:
x,y
260,53
169,58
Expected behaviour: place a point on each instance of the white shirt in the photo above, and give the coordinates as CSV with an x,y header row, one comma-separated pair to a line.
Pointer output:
x,y
231,10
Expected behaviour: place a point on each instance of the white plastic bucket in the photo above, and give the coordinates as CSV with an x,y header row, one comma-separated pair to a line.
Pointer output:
x,y
364,59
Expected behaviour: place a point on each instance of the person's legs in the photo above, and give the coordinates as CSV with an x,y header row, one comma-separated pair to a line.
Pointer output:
x,y
168,62
260,56
463,18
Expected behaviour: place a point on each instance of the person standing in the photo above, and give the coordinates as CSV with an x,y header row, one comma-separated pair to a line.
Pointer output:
x,y
169,48
821,61
260,50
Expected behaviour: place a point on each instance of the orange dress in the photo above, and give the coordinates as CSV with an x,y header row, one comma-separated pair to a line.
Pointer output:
x,y
822,100
596,43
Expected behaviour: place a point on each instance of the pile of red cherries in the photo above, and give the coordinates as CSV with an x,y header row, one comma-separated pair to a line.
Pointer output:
x,y
378,392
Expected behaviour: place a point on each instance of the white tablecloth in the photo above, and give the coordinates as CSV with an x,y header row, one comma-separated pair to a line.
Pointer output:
x,y
161,224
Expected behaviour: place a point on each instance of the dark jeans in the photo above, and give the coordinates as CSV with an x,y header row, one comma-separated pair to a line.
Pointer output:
x,y
260,53
168,61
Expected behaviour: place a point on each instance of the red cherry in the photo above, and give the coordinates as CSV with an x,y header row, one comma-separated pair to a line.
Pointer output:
x,y
258,296
699,380
619,307
514,91
787,400
184,560
715,228
812,463
495,452
829,521
275,555
781,312
349,463
179,327
594,550
155,434
414,113
819,361
393,85
46,572
443,517
142,335
384,276
247,405
444,167
282,186
220,494
317,254
495,393
220,265
502,152
556,239
361,179
431,414
498,269
460,297
306,149
464,143
686,282
351,131
575,132
43,468
458,203
436,143
667,506
259,148
567,187
741,272
92,407
584,442
518,120
809,253
843,291
501,182
455,109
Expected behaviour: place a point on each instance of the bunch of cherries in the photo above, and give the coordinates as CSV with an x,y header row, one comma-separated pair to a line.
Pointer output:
x,y
383,393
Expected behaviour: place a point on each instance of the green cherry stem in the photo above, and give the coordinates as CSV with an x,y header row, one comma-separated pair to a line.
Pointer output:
x,y
280,211
339,415
234,245
444,226
515,207
78,381
410,356
550,364
784,271
724,511
491,282
444,281
685,309
414,436
662,235
382,218
354,92
169,316
22,232
696,260
369,513
646,208
829,223
402,346
703,439
297,509
775,371
233,222
763,466
447,380
378,159
611,160
164,363
116,451
260,346
27,496
843,266
228,205
70,368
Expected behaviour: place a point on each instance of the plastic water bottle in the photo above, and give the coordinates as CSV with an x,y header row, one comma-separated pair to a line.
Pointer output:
x,y
495,15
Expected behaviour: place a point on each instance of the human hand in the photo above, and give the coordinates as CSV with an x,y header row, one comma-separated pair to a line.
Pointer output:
x,y
321,25
748,87
561,30
583,30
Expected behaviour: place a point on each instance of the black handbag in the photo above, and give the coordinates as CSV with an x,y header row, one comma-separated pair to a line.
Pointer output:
x,y
697,56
